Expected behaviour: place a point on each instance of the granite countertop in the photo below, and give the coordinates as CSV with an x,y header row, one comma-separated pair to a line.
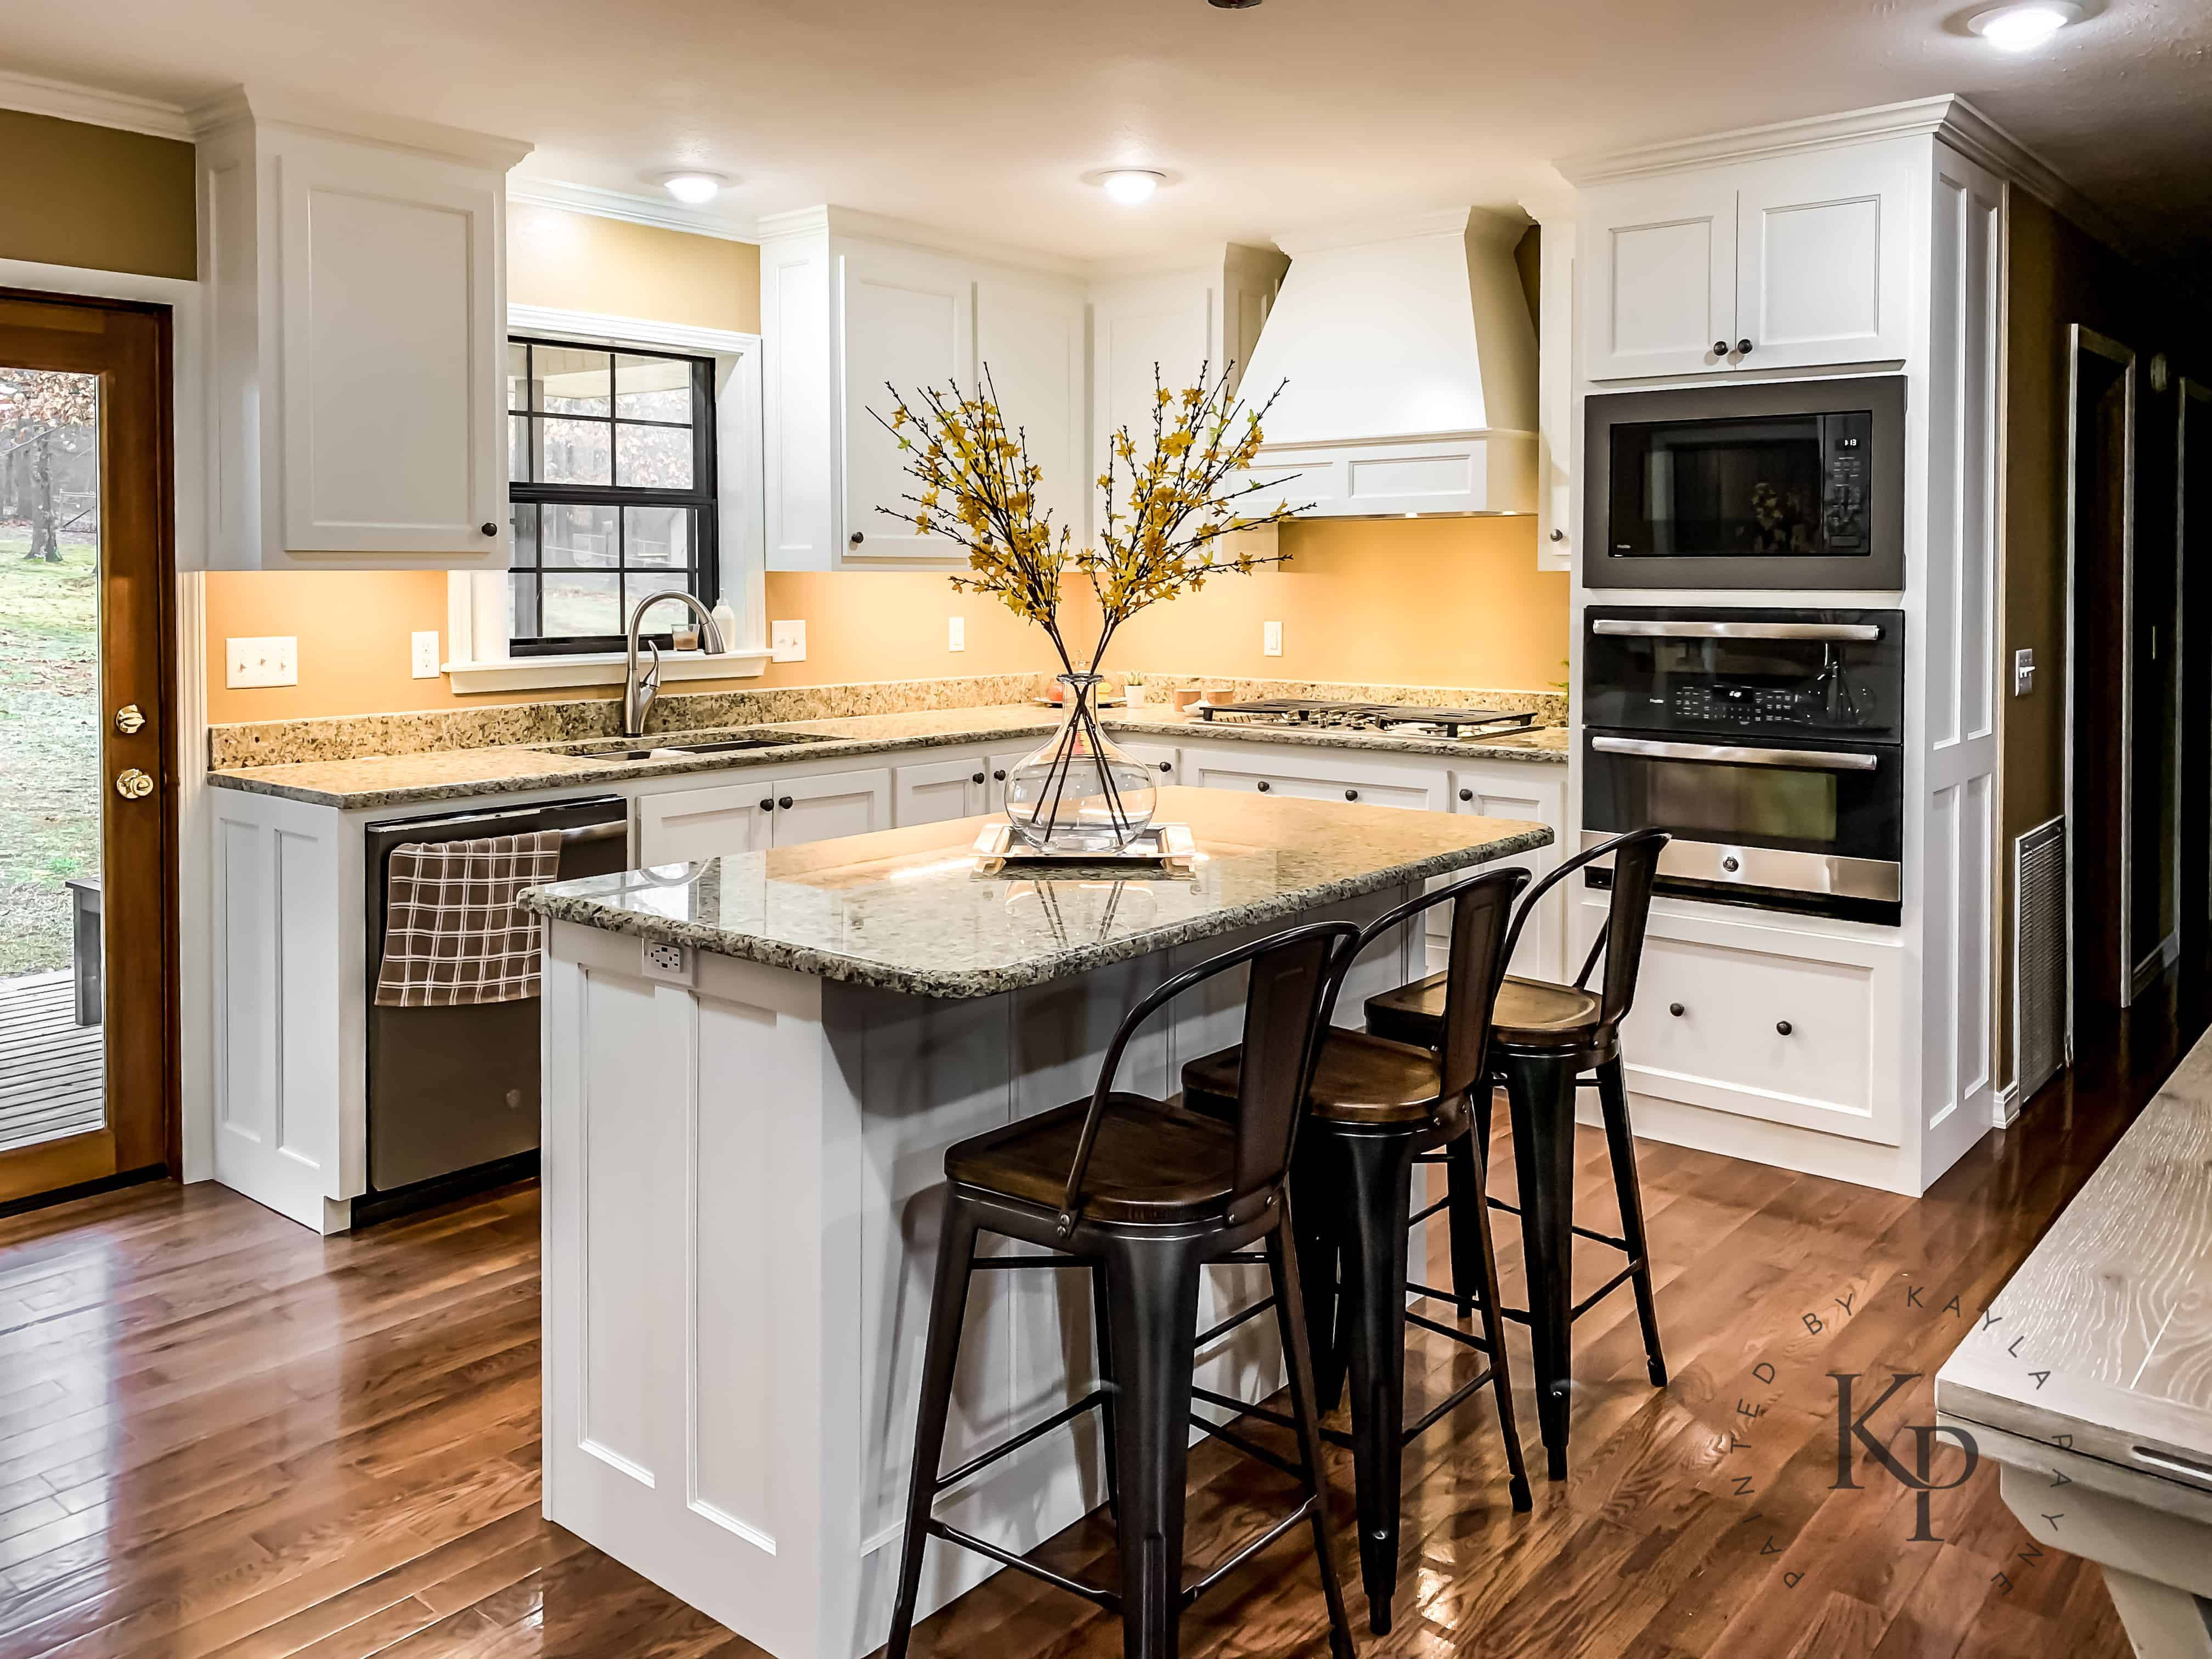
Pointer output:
x,y
375,782
905,910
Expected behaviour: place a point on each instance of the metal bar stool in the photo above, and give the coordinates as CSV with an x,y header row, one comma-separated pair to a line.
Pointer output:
x,y
1374,1107
1545,1037
1145,1196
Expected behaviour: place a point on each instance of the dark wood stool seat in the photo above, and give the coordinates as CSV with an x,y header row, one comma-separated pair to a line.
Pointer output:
x,y
1150,1166
1530,1012
1548,1041
1357,1078
1145,1196
1380,1108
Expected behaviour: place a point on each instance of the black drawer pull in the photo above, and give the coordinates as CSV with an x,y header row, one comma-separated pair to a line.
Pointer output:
x,y
1264,786
1351,795
1675,1009
1785,1027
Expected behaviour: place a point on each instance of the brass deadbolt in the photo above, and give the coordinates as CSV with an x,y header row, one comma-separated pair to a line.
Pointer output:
x,y
129,720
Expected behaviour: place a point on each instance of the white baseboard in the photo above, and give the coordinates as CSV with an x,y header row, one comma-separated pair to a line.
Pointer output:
x,y
2007,1105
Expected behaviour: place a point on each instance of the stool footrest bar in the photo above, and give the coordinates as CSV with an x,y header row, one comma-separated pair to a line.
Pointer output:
x,y
1442,1408
1229,1402
1604,1290
1235,1320
1465,1339
1248,1552
1008,1263
1090,1593
1257,1452
1037,1431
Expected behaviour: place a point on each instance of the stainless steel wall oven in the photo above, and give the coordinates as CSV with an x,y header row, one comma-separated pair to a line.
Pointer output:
x,y
1769,743
1791,484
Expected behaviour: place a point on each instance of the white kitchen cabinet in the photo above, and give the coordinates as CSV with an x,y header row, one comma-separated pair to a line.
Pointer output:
x,y
1805,259
1000,766
1521,789
910,322
684,825
356,342
832,804
1318,775
1030,337
933,790
1164,760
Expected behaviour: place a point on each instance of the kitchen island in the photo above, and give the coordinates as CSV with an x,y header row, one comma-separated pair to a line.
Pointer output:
x,y
753,1065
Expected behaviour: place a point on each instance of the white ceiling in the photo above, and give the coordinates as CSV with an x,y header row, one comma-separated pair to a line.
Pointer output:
x,y
981,116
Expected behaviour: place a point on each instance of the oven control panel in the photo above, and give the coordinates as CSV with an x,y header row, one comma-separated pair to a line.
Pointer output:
x,y
1829,701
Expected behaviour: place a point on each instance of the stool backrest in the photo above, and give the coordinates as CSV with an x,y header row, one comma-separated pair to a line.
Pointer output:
x,y
1482,911
1292,987
1635,866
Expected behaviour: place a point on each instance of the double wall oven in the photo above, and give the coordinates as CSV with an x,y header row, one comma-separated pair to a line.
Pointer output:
x,y
1769,743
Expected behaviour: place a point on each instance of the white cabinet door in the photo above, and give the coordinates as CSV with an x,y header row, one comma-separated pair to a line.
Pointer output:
x,y
393,339
831,804
1824,256
910,322
1164,760
999,768
684,825
931,792
1162,322
1659,276
1029,338
1527,790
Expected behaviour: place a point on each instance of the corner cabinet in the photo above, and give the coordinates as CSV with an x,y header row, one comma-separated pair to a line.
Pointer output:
x,y
1787,262
844,317
357,343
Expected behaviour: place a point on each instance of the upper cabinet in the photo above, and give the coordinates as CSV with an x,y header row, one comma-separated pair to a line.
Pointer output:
x,y
1785,262
356,341
847,313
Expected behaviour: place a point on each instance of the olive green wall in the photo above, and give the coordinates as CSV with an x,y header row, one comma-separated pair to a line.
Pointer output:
x,y
77,195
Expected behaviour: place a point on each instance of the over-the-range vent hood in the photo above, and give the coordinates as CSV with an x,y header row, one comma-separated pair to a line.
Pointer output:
x,y
1409,367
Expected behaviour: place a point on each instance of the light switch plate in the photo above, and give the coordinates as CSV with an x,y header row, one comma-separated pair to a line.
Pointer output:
x,y
787,642
1271,639
956,634
425,653
273,659
2023,672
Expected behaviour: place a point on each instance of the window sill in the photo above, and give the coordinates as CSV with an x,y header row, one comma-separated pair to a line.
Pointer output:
x,y
598,668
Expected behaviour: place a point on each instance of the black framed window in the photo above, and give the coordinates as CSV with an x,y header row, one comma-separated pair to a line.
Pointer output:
x,y
610,491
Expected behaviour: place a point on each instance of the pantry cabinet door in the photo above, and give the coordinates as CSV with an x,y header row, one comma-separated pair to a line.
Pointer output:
x,y
393,341
908,323
684,825
1659,276
932,792
834,803
1824,256
1030,337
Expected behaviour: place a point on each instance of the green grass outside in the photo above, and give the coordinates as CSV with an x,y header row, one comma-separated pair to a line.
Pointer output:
x,y
49,744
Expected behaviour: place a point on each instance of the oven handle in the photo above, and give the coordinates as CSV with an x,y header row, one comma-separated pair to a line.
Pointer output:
x,y
1735,630
1802,760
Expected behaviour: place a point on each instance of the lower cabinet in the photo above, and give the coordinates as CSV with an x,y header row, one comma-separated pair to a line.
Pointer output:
x,y
765,809
1521,789
1315,776
931,792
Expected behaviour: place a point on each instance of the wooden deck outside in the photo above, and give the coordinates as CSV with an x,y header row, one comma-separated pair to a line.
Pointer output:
x,y
51,1081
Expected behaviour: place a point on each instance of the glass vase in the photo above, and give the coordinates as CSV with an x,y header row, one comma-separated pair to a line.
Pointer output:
x,y
1078,791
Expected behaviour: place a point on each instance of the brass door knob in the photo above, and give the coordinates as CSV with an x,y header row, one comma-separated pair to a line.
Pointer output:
x,y
130,718
133,784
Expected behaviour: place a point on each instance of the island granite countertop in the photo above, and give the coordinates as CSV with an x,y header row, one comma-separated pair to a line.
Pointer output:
x,y
906,909
377,781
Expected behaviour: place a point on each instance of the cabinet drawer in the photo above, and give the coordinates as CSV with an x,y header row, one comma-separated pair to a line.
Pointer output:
x,y
1761,1033
1266,773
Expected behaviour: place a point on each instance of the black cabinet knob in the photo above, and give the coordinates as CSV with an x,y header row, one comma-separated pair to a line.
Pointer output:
x,y
857,537
1783,1027
1558,535
488,528
1351,795
1731,863
1675,1009
1167,766
784,801
977,777
1743,348
999,777
1720,348
1466,795
1264,786
767,803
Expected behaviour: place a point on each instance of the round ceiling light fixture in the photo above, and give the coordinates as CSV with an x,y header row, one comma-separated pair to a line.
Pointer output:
x,y
690,187
2024,26
1233,5
1127,185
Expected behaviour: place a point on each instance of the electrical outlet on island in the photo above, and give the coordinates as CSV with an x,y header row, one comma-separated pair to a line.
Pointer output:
x,y
1271,639
956,634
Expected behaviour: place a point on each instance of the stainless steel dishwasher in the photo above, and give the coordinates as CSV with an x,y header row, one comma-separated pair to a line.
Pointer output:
x,y
453,1092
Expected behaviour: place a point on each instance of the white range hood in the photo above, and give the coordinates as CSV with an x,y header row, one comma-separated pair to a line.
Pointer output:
x,y
1408,368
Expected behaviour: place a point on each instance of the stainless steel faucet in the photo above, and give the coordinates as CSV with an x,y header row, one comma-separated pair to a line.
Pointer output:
x,y
638,694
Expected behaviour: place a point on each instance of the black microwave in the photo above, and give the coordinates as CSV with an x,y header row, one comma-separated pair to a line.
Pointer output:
x,y
1778,485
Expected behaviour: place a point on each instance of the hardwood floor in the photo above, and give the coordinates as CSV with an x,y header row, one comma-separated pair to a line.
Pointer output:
x,y
219,1435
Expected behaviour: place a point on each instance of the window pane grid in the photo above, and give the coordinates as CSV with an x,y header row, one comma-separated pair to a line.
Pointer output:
x,y
600,523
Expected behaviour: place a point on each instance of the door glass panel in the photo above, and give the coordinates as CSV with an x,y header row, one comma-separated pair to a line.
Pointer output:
x,y
52,1003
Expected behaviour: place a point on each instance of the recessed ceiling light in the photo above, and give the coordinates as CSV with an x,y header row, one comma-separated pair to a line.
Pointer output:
x,y
691,187
1129,184
2023,28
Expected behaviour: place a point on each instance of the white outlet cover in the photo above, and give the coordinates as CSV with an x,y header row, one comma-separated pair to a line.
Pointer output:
x,y
956,634
1271,639
663,960
273,659
425,653
787,642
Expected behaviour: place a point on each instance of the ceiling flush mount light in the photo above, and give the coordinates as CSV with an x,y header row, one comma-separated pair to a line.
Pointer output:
x,y
1129,185
690,187
2023,28
1233,5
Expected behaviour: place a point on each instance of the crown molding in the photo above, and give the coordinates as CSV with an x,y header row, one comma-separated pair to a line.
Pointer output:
x,y
600,329
831,219
661,213
237,105
66,101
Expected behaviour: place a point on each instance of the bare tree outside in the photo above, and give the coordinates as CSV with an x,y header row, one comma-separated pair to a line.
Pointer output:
x,y
47,417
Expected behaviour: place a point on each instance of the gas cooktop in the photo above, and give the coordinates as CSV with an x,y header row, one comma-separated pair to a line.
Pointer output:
x,y
1409,720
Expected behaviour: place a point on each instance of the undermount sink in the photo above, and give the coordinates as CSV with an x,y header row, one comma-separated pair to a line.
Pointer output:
x,y
678,748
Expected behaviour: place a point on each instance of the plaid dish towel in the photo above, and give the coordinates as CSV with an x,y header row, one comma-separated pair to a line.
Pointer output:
x,y
453,931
